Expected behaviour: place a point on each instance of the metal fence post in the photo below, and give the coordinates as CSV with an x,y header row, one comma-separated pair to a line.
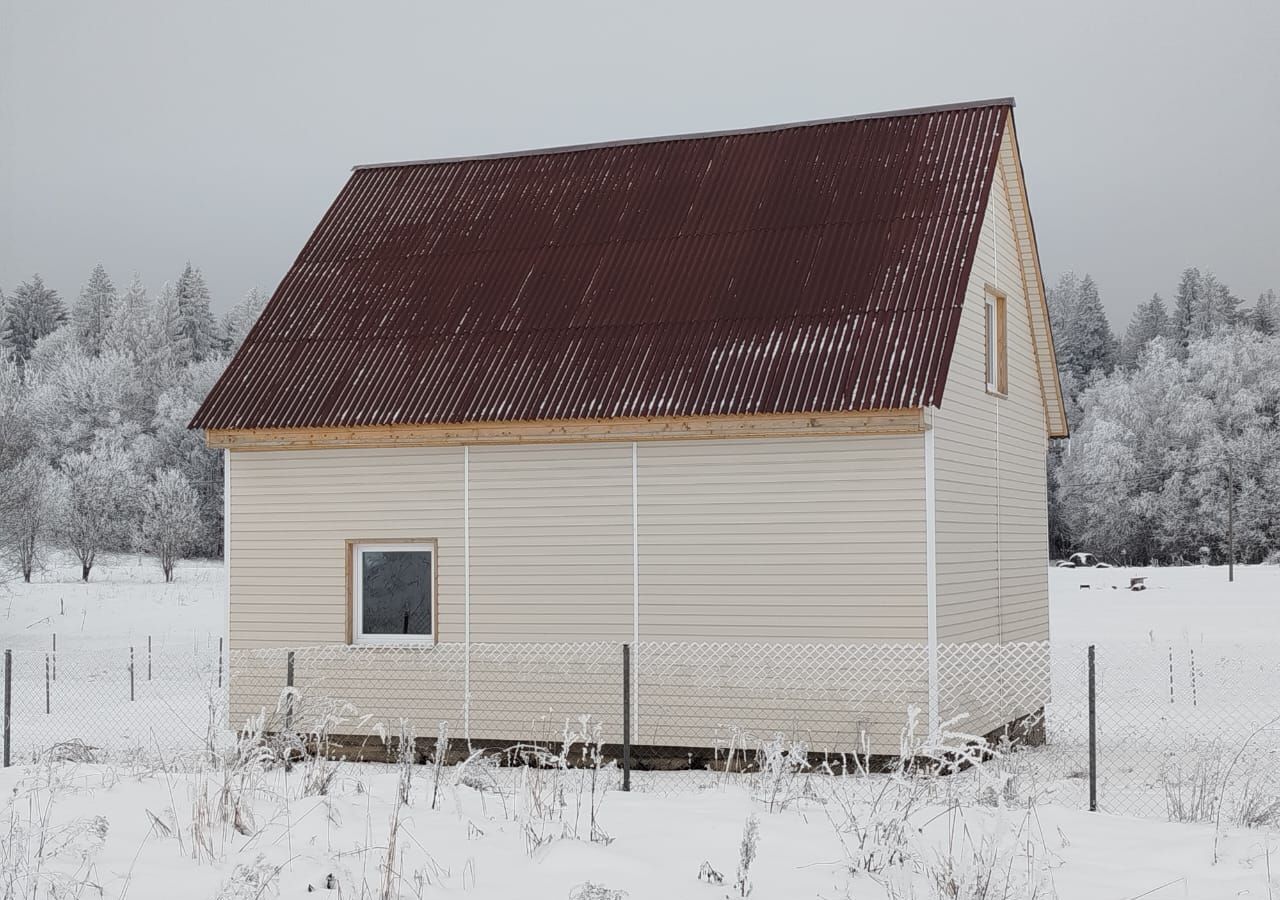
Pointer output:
x,y
148,657
48,692
8,696
288,700
55,656
219,662
626,717
1093,731
131,694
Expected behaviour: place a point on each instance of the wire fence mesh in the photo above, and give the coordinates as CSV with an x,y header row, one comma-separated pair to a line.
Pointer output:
x,y
1183,731
145,699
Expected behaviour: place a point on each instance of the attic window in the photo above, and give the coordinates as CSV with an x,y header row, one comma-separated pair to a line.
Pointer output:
x,y
393,592
997,347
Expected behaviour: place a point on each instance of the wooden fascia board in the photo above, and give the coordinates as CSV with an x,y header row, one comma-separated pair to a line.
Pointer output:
x,y
897,421
1033,286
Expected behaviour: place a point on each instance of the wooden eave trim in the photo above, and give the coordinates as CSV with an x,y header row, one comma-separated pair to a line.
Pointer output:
x,y
895,421
1033,284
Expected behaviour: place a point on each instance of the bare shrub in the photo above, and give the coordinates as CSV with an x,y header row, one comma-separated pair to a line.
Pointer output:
x,y
1192,781
441,755
251,881
404,762
782,763
39,858
747,855
1008,863
589,890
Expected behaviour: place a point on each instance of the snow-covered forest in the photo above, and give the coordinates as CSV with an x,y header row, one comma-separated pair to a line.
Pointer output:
x,y
1175,437
95,396
1169,420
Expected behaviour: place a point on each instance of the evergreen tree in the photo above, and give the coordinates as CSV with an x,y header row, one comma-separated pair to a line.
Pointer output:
x,y
1202,306
1062,301
1186,302
1220,309
30,313
1265,316
196,324
1085,342
1150,321
124,328
237,322
91,315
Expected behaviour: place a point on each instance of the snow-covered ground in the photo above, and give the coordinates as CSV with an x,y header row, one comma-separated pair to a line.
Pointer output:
x,y
158,833
125,601
1192,604
92,831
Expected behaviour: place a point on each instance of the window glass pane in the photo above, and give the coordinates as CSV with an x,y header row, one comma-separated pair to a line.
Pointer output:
x,y
395,590
991,343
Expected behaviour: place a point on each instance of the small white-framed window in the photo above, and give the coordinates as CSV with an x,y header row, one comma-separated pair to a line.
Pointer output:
x,y
393,593
997,365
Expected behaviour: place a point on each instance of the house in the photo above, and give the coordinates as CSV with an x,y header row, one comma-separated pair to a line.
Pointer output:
x,y
790,384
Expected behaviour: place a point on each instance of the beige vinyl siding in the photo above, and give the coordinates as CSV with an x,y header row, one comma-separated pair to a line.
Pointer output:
x,y
292,513
794,539
551,542
992,536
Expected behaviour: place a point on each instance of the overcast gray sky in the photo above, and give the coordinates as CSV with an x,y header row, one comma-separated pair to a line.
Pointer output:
x,y
143,134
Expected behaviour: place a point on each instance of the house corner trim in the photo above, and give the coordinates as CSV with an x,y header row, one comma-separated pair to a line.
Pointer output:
x,y
931,573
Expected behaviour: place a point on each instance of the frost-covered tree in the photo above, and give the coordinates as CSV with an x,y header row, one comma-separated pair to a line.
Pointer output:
x,y
100,491
197,330
73,397
121,382
178,447
28,499
1150,321
129,326
237,322
1265,315
170,522
1082,334
91,314
1221,307
16,434
1156,450
31,312
145,330
1202,306
1187,300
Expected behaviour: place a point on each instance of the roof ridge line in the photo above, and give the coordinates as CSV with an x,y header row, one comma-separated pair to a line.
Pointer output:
x,y
694,135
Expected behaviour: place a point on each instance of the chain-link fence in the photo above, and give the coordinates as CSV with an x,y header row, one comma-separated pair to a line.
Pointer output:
x,y
143,699
1152,729
1186,731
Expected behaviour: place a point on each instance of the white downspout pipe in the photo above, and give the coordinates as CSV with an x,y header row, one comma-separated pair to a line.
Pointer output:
x,y
226,544
466,592
931,574
635,587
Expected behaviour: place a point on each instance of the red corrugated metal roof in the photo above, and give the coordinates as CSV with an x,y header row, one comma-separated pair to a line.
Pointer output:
x,y
816,267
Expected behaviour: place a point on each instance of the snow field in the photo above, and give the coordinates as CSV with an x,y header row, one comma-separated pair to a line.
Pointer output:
x,y
114,833
125,601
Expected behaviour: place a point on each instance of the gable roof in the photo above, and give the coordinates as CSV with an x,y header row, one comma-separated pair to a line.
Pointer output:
x,y
813,267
